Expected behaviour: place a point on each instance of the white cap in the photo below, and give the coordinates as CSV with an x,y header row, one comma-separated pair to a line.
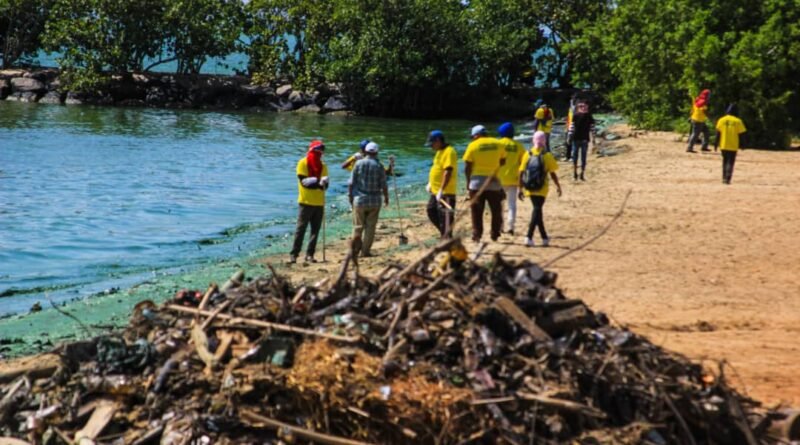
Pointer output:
x,y
478,129
371,148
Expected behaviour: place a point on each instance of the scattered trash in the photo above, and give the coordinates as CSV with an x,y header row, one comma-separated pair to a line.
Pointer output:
x,y
439,351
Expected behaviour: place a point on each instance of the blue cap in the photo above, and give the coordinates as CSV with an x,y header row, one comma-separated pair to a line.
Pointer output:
x,y
506,130
363,144
435,134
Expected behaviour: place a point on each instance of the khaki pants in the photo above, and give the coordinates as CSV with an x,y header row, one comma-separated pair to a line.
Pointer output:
x,y
365,221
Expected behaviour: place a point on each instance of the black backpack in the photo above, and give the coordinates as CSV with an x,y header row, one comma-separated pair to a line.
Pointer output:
x,y
533,177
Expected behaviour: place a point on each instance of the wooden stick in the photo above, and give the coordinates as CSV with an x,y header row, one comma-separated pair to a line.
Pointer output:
x,y
207,295
214,314
264,324
313,436
444,245
568,405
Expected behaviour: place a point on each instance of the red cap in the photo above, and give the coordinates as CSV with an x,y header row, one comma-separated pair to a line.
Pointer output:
x,y
316,145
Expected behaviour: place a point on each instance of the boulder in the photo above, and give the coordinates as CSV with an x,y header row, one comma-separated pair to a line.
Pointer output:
x,y
298,99
5,88
334,103
284,90
27,84
73,99
53,97
23,96
281,105
155,96
310,108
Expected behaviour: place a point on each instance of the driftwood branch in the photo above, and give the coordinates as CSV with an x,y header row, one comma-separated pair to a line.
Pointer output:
x,y
306,434
264,324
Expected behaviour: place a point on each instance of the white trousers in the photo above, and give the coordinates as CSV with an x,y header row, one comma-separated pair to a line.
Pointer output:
x,y
511,199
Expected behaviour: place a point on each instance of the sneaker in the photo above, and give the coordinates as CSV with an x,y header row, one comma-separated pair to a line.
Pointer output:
x,y
292,259
582,178
510,233
706,149
310,259
545,242
575,176
529,242
689,150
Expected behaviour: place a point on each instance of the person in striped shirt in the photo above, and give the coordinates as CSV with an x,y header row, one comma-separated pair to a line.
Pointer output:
x,y
581,130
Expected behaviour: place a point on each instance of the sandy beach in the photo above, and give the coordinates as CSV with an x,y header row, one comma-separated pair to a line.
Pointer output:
x,y
702,268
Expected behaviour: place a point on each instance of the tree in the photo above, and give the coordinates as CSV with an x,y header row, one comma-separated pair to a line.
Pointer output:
x,y
198,29
21,25
99,36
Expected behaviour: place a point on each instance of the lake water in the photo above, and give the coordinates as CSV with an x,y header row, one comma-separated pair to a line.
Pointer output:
x,y
94,197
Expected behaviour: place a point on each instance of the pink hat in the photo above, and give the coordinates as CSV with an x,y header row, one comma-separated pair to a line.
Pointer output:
x,y
539,139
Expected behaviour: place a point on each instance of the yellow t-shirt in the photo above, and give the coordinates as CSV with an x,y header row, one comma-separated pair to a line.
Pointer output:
x,y
509,172
540,115
550,165
699,113
729,128
485,154
352,160
307,196
442,160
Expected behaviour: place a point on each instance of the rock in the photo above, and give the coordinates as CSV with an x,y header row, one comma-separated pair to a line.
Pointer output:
x,y
281,105
284,90
5,88
37,307
155,96
257,90
298,99
612,137
25,84
335,103
310,108
53,97
26,96
73,99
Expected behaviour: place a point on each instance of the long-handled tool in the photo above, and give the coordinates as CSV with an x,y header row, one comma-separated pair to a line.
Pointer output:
x,y
402,239
324,231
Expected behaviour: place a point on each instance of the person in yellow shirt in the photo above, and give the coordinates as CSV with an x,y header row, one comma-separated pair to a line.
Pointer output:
x,y
312,181
442,180
483,159
509,172
543,120
729,129
350,162
698,120
536,168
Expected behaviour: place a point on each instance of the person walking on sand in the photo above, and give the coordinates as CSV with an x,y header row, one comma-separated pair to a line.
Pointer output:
x,y
581,129
312,181
570,112
537,165
509,172
442,180
543,120
367,184
698,121
729,129
484,158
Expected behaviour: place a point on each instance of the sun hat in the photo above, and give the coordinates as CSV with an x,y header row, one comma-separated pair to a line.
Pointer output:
x,y
478,130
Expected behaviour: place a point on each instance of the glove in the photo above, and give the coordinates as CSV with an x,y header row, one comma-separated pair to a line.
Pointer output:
x,y
308,182
439,195
428,187
324,181
358,156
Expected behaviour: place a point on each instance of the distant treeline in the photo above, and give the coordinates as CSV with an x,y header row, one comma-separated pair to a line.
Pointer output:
x,y
648,57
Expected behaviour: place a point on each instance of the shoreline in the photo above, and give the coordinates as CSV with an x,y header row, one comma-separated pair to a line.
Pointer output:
x,y
691,264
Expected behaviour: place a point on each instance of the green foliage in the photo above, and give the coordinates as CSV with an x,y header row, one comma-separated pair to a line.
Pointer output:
x,y
654,55
94,36
21,24
198,29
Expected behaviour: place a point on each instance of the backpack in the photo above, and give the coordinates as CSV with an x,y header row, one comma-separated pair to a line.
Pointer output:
x,y
533,178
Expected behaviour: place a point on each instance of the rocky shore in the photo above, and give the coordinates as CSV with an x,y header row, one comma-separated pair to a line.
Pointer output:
x,y
162,90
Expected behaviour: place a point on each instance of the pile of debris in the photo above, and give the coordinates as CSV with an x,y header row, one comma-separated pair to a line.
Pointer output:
x,y
441,351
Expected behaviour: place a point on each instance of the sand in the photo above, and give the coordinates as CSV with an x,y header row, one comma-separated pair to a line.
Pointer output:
x,y
702,268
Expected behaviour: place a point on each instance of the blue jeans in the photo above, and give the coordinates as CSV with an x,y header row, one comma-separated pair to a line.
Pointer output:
x,y
582,148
